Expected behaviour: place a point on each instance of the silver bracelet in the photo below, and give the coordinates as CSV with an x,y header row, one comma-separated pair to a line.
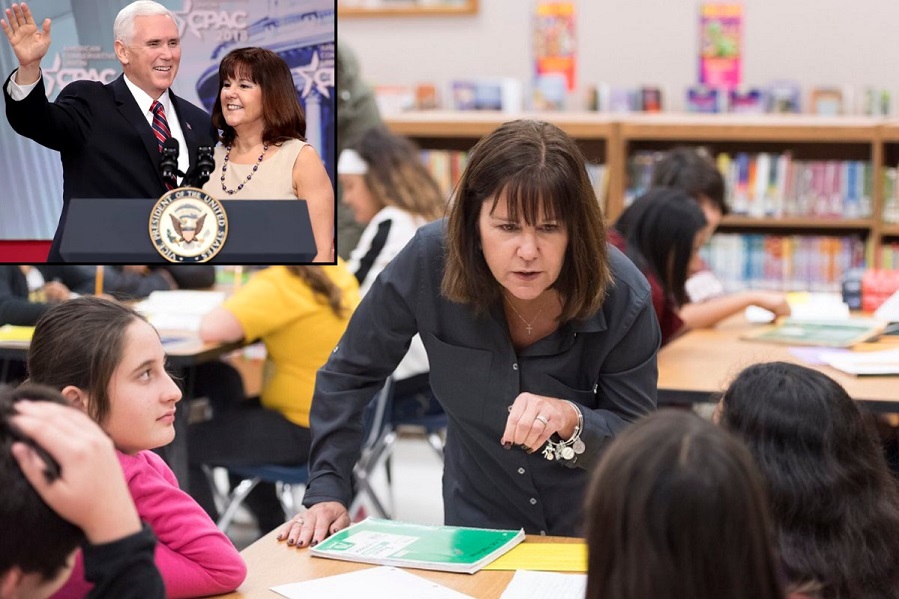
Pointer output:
x,y
570,448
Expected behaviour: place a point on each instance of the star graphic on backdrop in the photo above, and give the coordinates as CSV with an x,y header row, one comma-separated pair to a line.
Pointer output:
x,y
309,75
181,19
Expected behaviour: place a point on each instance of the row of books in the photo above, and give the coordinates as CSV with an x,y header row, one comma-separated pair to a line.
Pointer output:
x,y
446,167
512,95
890,195
783,262
889,256
772,185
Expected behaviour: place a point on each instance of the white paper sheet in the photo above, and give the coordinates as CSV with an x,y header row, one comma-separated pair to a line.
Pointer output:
x,y
383,582
545,585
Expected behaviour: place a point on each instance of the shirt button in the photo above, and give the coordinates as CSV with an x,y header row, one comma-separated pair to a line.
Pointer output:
x,y
515,366
533,501
521,471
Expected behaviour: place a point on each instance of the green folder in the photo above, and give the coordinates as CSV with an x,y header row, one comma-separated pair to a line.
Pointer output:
x,y
446,548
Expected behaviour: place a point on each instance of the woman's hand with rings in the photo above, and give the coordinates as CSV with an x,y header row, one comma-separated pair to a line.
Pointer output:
x,y
315,524
533,418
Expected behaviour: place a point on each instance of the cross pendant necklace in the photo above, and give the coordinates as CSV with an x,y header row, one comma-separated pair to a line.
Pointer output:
x,y
529,326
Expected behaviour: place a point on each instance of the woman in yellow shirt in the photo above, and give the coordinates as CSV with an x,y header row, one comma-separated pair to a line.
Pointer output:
x,y
299,313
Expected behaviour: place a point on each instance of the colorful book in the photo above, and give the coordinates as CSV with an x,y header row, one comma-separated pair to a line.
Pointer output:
x,y
445,548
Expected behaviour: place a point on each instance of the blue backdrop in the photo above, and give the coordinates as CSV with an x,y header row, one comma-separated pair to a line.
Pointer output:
x,y
301,31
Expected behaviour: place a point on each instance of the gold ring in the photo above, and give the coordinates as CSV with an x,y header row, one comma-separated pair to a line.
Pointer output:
x,y
542,419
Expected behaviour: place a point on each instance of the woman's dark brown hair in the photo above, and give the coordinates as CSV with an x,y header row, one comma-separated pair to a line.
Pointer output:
x,y
396,175
322,286
534,165
80,342
676,508
834,503
283,115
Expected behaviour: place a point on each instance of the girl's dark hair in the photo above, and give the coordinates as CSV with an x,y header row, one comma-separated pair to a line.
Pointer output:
x,y
322,286
834,504
534,165
660,228
283,115
396,175
80,342
693,172
676,508
34,537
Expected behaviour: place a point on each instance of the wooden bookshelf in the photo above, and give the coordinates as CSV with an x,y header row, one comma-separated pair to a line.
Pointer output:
x,y
611,139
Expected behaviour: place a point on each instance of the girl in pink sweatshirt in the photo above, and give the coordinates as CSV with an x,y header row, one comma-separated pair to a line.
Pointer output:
x,y
108,361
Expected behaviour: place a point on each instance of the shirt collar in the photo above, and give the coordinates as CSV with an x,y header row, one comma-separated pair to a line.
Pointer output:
x,y
144,101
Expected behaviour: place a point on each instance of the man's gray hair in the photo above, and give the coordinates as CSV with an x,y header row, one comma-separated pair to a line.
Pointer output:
x,y
123,28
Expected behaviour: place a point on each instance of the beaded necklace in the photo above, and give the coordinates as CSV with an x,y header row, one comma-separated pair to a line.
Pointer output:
x,y
250,176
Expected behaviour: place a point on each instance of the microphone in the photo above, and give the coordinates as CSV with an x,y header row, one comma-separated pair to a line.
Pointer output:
x,y
169,162
205,162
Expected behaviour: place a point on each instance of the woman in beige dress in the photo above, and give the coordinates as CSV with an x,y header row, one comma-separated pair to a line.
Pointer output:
x,y
263,152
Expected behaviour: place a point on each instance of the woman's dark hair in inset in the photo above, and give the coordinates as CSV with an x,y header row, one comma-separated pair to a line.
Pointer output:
x,y
396,175
692,172
283,115
676,508
660,228
80,342
834,504
534,165
33,537
322,286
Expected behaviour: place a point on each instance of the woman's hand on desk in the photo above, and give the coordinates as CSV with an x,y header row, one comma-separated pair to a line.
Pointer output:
x,y
771,301
315,524
534,418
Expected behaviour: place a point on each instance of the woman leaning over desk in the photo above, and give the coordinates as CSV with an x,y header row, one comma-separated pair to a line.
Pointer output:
x,y
542,342
263,153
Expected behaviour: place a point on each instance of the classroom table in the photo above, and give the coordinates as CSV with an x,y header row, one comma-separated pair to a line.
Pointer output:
x,y
701,363
272,563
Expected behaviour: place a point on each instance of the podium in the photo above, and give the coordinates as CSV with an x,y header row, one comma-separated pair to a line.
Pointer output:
x,y
116,231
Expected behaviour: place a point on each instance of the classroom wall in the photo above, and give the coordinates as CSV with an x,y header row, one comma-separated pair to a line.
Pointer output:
x,y
642,42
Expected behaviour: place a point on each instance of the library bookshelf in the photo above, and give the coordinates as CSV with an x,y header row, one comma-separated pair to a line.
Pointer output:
x,y
614,140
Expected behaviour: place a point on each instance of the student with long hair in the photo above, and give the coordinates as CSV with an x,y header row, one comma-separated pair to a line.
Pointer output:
x,y
834,504
299,313
664,233
108,361
676,508
392,194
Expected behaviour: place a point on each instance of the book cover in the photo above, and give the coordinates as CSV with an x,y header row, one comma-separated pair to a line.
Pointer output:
x,y
445,548
826,101
720,44
749,101
784,97
555,41
823,333
702,99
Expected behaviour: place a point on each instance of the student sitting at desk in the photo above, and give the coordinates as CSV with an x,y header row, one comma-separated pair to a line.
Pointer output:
x,y
834,503
45,519
299,312
541,340
109,362
677,509
694,173
663,239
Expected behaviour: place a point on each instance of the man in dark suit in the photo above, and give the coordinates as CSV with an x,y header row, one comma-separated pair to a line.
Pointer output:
x,y
109,136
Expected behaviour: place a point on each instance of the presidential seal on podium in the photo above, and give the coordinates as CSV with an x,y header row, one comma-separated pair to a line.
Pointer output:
x,y
188,225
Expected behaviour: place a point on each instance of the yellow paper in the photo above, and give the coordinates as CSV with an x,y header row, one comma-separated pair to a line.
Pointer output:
x,y
10,332
554,557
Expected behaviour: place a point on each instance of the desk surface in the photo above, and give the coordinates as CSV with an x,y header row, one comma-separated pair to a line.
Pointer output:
x,y
704,361
270,563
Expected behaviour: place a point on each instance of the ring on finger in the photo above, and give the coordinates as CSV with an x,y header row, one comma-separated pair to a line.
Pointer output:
x,y
542,419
